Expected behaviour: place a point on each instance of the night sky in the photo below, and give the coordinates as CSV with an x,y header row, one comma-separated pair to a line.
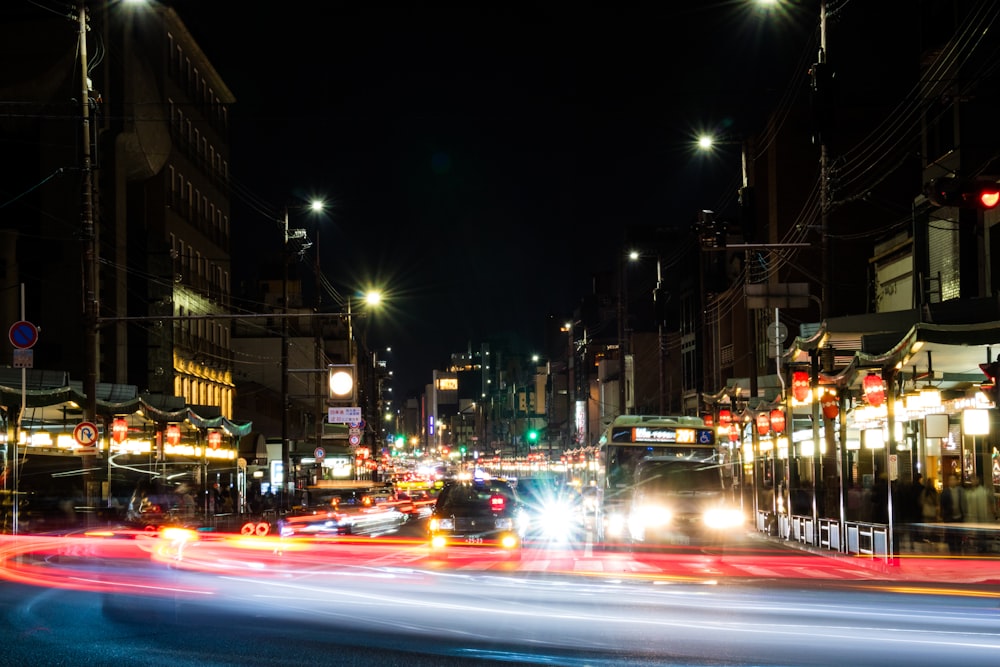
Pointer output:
x,y
483,161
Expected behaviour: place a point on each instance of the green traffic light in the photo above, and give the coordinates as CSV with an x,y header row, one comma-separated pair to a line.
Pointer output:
x,y
533,436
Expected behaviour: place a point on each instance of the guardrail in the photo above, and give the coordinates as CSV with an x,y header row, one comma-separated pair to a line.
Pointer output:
x,y
864,539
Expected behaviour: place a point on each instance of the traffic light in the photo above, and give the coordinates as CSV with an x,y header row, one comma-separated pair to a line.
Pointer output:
x,y
975,193
532,436
989,386
342,382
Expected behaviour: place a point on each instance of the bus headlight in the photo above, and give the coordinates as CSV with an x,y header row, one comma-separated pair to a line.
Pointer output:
x,y
652,516
721,517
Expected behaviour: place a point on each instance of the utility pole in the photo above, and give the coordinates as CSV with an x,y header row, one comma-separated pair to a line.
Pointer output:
x,y
90,302
318,332
88,234
822,79
285,449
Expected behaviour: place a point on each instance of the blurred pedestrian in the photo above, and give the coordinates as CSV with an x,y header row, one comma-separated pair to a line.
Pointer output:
x,y
880,499
952,502
978,509
910,511
930,511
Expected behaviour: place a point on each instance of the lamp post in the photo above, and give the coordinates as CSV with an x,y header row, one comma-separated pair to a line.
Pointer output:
x,y
622,335
317,206
567,328
372,298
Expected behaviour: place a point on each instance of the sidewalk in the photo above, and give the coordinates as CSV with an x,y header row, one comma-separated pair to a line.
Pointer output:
x,y
976,561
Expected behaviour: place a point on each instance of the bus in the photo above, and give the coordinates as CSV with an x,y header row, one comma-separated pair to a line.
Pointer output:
x,y
663,479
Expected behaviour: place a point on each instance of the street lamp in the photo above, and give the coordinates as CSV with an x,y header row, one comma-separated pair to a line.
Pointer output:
x,y
634,256
372,298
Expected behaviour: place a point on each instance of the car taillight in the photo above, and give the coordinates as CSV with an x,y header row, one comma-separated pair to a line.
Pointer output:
x,y
498,502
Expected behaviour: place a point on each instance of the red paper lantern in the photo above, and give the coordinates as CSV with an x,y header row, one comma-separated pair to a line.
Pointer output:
x,y
778,421
708,420
874,390
763,423
214,439
119,430
800,385
830,405
734,432
725,417
173,434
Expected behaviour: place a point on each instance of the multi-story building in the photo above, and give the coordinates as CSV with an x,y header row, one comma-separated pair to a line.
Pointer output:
x,y
119,228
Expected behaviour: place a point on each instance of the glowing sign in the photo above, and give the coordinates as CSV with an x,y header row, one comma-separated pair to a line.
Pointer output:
x,y
447,384
663,434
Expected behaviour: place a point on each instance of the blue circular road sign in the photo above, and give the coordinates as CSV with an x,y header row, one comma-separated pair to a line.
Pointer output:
x,y
23,335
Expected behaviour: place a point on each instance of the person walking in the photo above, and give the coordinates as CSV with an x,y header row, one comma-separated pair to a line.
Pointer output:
x,y
930,511
977,509
952,502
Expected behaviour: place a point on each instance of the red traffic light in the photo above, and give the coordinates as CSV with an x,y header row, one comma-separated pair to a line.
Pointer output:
x,y
976,193
988,195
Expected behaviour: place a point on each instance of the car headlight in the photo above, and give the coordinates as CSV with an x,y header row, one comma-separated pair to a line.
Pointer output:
x,y
615,525
557,520
509,541
443,524
723,518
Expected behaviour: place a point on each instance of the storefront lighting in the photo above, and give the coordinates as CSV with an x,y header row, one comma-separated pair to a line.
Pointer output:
x,y
41,439
874,438
976,422
930,397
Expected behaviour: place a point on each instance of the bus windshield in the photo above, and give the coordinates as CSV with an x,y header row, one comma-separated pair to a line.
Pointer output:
x,y
623,459
666,477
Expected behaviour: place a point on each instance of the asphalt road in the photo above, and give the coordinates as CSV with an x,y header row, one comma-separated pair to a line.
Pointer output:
x,y
387,602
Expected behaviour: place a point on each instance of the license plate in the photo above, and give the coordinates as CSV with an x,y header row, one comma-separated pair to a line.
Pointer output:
x,y
473,539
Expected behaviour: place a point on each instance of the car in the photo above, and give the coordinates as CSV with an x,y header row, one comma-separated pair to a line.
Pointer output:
x,y
350,510
418,504
480,512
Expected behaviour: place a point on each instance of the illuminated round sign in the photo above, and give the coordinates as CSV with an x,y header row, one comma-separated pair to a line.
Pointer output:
x,y
341,383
